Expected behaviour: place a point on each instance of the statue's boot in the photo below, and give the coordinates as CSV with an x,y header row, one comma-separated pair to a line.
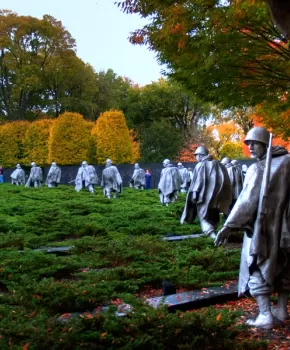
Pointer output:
x,y
265,318
281,311
210,234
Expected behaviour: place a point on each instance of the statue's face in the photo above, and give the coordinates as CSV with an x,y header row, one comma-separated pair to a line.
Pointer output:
x,y
257,149
198,157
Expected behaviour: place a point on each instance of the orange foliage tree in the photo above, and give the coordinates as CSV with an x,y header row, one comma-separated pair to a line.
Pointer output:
x,y
276,125
224,140
187,153
112,138
70,139
36,144
12,136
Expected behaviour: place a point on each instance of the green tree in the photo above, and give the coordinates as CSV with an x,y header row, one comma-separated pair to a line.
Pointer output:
x,y
165,100
160,140
111,92
27,45
69,85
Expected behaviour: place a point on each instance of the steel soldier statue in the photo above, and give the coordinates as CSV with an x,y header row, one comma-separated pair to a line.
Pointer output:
x,y
262,210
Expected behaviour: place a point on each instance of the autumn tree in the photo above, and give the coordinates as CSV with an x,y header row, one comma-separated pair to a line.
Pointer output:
x,y
225,140
112,138
70,139
225,52
36,142
135,143
12,139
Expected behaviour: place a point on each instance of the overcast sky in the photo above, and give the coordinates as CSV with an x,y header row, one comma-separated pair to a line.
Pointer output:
x,y
101,31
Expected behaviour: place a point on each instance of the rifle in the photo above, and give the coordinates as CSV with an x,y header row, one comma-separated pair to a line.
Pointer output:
x,y
72,181
259,244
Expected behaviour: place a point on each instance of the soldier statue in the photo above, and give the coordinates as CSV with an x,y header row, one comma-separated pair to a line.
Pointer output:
x,y
169,183
86,177
138,178
262,210
18,176
111,180
209,193
184,177
235,178
35,176
53,176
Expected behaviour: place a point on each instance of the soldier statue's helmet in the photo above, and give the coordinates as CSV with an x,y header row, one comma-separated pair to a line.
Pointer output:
x,y
108,161
225,161
33,164
84,163
179,164
235,162
166,161
258,134
201,150
137,166
18,166
53,163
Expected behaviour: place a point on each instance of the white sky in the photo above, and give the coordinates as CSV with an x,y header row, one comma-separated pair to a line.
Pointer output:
x,y
101,32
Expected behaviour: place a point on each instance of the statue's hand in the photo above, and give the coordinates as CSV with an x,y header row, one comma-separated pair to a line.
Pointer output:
x,y
222,236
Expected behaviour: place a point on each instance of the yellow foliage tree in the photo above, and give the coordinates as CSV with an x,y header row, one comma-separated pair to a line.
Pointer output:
x,y
92,148
37,141
70,139
112,138
135,144
12,136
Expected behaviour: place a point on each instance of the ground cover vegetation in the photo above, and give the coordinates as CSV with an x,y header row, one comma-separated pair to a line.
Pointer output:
x,y
116,253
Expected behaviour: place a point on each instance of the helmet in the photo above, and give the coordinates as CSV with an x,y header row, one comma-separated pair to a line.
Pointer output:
x,y
258,134
137,166
201,150
53,163
108,161
18,166
179,164
84,163
166,162
225,160
33,164
235,162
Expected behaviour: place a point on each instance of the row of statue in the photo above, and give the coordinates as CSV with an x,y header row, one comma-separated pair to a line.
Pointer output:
x,y
86,178
256,201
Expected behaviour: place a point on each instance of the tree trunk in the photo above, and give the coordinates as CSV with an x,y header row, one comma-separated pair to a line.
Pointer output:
x,y
280,13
